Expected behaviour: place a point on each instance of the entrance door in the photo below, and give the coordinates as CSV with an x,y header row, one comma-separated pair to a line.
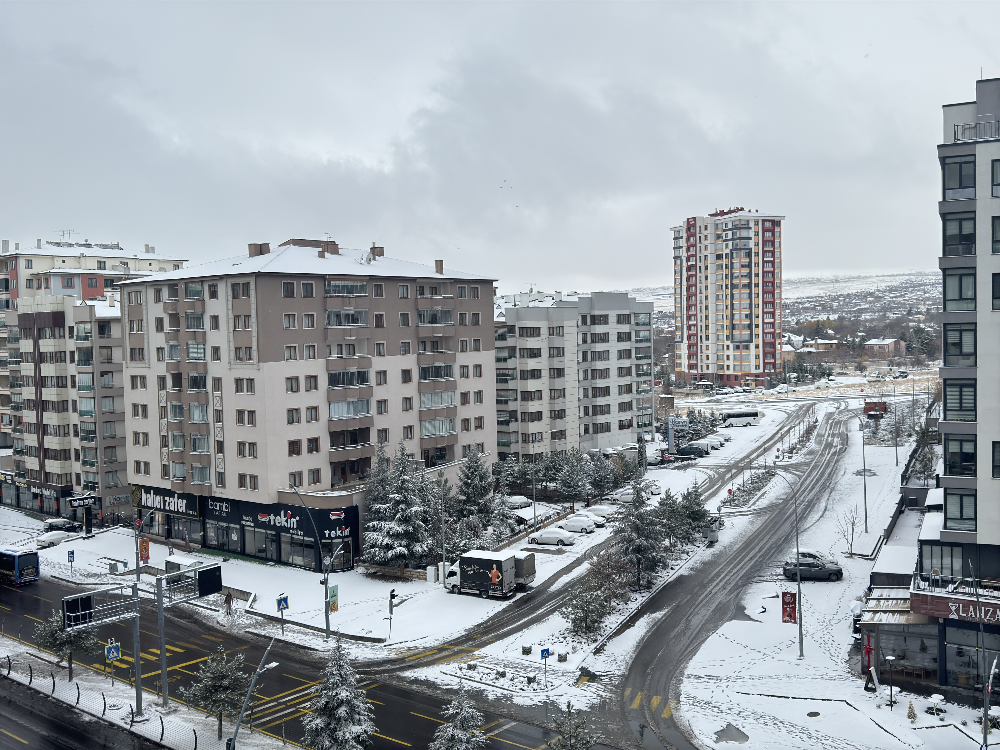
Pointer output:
x,y
272,545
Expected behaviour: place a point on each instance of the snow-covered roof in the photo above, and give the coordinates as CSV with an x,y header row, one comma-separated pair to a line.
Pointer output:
x,y
900,560
103,308
881,342
931,529
300,261
96,249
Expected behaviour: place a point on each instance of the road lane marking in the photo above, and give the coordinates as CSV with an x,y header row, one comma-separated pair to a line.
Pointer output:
x,y
583,678
429,718
34,618
418,656
274,698
491,724
14,736
666,711
637,702
172,648
628,691
654,702
370,686
3,607
515,744
391,739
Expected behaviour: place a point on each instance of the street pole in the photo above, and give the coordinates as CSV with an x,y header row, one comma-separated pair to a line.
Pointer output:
x,y
136,645
326,570
864,470
895,424
163,641
890,659
231,744
798,562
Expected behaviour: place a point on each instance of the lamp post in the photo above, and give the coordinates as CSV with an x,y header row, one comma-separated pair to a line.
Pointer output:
x,y
798,561
864,468
890,658
326,571
261,668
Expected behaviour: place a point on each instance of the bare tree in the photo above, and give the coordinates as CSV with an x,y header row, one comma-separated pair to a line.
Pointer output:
x,y
847,526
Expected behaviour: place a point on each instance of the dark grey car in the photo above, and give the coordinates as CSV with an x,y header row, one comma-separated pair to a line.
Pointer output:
x,y
813,570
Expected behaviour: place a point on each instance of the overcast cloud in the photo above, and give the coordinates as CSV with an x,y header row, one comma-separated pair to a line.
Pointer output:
x,y
541,143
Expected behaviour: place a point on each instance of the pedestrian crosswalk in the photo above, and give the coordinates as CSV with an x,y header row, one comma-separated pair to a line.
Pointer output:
x,y
638,700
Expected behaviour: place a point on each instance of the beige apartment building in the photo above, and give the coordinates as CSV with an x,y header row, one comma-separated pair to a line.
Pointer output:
x,y
285,367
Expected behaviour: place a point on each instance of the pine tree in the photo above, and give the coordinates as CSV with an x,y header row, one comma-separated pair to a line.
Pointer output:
x,y
572,728
586,609
377,479
573,479
475,485
911,713
395,531
341,717
602,476
671,520
52,636
220,686
692,506
638,536
501,520
462,731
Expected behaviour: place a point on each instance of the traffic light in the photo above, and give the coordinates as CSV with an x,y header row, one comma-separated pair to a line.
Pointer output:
x,y
392,598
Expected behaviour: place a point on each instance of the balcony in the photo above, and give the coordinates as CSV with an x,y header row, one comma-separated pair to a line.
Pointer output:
x,y
87,437
977,131
964,248
91,486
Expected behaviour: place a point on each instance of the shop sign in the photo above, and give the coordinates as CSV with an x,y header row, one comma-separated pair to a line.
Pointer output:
x,y
950,608
166,501
81,502
221,510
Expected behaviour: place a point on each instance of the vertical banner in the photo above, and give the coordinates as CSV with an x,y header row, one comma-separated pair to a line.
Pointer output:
x,y
334,601
788,609
144,550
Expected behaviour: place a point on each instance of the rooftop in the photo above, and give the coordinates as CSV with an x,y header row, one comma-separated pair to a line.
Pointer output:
x,y
86,249
301,261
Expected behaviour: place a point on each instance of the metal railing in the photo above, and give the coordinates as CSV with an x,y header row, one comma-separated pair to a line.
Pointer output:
x,y
977,131
984,588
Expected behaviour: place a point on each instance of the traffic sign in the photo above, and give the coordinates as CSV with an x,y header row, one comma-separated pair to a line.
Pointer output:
x,y
282,603
112,652
70,556
546,653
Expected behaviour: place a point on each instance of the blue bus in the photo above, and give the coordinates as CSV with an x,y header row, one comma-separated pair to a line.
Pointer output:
x,y
18,566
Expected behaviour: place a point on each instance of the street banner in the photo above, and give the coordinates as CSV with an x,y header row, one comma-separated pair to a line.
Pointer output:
x,y
788,608
144,550
334,600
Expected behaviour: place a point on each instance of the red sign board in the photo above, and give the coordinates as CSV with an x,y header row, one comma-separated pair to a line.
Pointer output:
x,y
788,610
875,407
144,550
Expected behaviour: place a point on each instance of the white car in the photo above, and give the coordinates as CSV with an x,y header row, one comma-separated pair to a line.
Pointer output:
x,y
655,488
577,524
602,511
598,521
551,536
52,538
518,501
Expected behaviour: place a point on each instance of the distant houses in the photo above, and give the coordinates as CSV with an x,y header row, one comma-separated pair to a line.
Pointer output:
x,y
884,348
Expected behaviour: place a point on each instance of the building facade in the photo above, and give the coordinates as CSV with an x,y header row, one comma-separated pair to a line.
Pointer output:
x,y
727,297
67,399
284,369
578,369
960,549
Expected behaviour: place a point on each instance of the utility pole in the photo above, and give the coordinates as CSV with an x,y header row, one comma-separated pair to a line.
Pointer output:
x,y
864,469
798,563
231,743
136,645
326,568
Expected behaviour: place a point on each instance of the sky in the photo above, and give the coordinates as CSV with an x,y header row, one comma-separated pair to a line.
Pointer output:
x,y
545,144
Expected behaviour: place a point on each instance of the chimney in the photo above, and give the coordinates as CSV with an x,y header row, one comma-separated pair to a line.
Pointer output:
x,y
439,267
259,248
17,246
6,245
38,244
111,299
150,249
331,248
377,252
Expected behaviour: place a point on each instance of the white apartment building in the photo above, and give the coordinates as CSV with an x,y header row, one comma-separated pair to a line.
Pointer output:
x,y
572,371
285,368
727,297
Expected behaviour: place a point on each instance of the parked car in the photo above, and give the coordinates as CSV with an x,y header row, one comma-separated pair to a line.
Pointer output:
x,y
518,501
551,536
604,511
52,538
576,523
901,375
655,489
808,554
813,570
691,450
598,521
62,524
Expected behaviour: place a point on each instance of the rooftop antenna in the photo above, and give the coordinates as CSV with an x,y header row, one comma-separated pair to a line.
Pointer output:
x,y
67,234
328,236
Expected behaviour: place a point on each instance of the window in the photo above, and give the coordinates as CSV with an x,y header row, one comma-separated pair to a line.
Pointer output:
x,y
407,403
474,292
194,321
408,432
157,294
406,376
308,320
176,411
437,372
312,445
346,318
214,322
293,416
308,289
996,229
382,406
312,382
960,455
213,291
199,443
477,345
959,177
138,382
960,505
478,397
437,427
434,317
382,435
294,447
960,344
557,372
247,482
178,472
382,377
315,476
92,283
960,289
598,320
959,234
404,347
359,407
347,378
379,320
404,319
216,353
312,413
463,371
291,385
477,371
287,288
194,290
960,400
199,413
379,348
479,423
466,425
440,399
289,320
195,351
463,346
404,291
291,353
67,282
474,318
138,354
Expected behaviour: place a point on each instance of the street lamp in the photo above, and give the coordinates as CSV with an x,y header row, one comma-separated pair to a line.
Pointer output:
x,y
798,561
326,565
261,668
864,468
890,659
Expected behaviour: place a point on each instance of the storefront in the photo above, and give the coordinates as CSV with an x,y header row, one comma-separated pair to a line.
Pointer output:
x,y
169,514
222,525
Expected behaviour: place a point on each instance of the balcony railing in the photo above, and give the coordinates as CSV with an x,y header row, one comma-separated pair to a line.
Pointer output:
x,y
89,462
977,131
984,588
91,486
88,437
965,248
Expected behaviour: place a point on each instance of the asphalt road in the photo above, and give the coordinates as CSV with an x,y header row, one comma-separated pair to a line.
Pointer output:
x,y
649,691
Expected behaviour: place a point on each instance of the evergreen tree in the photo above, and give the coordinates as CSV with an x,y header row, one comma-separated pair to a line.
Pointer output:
x,y
924,464
637,532
573,479
502,522
462,731
475,485
692,506
602,475
52,636
220,686
395,531
341,717
572,728
669,517
586,609
377,479
610,574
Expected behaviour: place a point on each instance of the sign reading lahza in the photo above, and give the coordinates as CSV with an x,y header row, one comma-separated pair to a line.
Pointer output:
x,y
788,610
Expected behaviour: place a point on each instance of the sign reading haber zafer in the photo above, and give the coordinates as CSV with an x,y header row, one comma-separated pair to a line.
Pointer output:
x,y
950,608
165,501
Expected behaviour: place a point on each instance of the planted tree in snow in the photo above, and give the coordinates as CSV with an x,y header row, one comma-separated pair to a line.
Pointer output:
x,y
475,485
52,636
462,731
341,717
220,686
848,524
573,480
692,505
572,727
610,575
911,713
602,475
395,531
501,521
637,533
377,479
671,519
586,609
924,464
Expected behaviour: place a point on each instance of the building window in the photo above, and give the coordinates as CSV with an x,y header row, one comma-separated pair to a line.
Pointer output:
x,y
960,506
463,371
315,476
312,445
378,290
382,377
474,292
312,413
213,322
479,423
404,347
312,382
289,320
291,385
406,376
408,432
477,371
477,345
308,320
294,447
996,460
287,288
294,416
213,291
960,289
466,425
474,318
291,353
960,455
382,435
404,291
996,230
960,400
382,406
379,348
959,177
407,403
308,289
216,353
67,282
959,234
379,320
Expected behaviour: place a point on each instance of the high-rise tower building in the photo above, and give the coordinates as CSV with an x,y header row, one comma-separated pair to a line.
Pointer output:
x,y
727,297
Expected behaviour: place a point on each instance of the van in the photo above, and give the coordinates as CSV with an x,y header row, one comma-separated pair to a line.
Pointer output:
x,y
705,445
715,441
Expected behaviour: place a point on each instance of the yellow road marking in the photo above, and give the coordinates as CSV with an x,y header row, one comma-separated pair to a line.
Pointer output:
x,y
293,690
34,618
429,718
3,607
175,650
374,701
583,678
369,687
448,658
400,742
14,736
491,724
628,691
637,702
417,656
515,744
654,703
188,663
666,711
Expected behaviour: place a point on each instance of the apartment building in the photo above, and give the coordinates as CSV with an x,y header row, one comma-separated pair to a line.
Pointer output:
x,y
285,368
727,297
572,371
77,270
66,404
960,548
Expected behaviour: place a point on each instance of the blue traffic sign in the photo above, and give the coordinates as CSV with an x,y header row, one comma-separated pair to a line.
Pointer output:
x,y
70,555
282,603
546,653
112,652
